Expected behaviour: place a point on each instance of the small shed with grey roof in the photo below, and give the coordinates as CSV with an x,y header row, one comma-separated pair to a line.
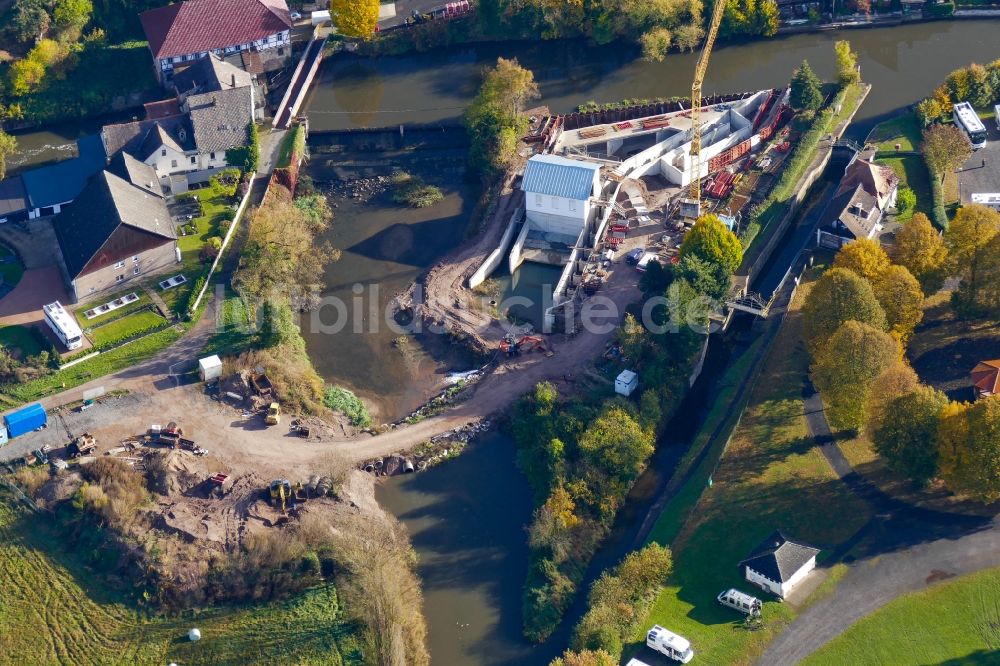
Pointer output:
x,y
778,564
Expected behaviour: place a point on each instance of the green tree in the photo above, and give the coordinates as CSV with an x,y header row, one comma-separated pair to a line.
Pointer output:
x,y
712,241
805,93
945,148
959,85
988,298
355,18
921,249
968,235
847,63
616,444
8,146
906,199
30,21
847,367
710,279
908,434
981,92
970,448
655,44
838,296
899,294
865,257
929,111
585,658
71,16
495,117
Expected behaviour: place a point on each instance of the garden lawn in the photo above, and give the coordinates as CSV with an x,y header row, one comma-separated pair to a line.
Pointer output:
x,y
912,172
904,130
93,322
954,622
217,206
770,477
20,338
127,326
78,621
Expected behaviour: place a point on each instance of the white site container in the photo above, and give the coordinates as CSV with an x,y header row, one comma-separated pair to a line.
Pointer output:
x,y
626,383
210,368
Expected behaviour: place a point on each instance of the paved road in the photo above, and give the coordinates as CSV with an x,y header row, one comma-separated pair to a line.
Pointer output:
x,y
909,548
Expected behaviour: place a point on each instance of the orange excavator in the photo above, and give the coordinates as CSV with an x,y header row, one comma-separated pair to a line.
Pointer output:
x,y
526,344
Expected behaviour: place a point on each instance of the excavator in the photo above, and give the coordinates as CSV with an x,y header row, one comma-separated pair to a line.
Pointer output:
x,y
526,343
280,490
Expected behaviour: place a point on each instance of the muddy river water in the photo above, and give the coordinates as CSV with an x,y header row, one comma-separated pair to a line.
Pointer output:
x,y
467,517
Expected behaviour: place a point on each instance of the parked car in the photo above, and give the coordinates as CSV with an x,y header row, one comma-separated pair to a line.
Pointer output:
x,y
647,258
633,257
295,16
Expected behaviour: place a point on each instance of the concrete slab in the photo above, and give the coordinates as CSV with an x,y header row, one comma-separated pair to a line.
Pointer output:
x,y
800,593
386,11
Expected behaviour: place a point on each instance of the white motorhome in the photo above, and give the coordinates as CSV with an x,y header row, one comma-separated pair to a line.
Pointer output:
x,y
63,325
996,115
670,644
968,120
740,601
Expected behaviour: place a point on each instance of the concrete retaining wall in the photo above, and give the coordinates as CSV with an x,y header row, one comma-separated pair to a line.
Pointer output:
x,y
493,261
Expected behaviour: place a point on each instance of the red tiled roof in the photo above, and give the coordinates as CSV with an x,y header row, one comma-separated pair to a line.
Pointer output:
x,y
986,377
162,109
193,26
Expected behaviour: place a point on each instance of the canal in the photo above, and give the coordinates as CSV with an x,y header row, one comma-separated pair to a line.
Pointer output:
x,y
467,517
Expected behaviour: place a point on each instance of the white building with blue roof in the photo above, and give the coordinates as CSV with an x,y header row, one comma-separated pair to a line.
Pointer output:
x,y
559,194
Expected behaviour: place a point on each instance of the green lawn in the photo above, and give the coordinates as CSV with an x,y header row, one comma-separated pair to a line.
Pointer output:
x,y
127,326
912,172
73,619
12,271
21,339
954,622
771,476
904,130
217,206
85,323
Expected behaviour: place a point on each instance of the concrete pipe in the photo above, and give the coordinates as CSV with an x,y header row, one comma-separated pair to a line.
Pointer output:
x,y
407,466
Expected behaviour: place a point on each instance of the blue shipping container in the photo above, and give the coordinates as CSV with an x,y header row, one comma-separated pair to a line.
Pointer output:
x,y
25,420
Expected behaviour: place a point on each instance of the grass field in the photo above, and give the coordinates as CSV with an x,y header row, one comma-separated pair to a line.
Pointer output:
x,y
132,324
93,322
21,339
904,130
955,622
912,173
771,476
53,612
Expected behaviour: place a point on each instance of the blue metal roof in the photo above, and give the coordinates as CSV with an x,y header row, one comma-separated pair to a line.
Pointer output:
x,y
559,177
62,181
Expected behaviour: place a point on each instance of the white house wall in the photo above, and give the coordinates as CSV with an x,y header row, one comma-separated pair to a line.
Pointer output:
x,y
797,577
761,581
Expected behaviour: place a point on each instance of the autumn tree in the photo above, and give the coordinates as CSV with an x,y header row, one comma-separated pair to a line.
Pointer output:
x,y
922,250
712,241
655,44
847,367
908,434
899,294
805,92
968,234
8,146
865,257
945,148
355,18
847,63
616,444
71,16
838,296
899,379
585,658
970,448
988,300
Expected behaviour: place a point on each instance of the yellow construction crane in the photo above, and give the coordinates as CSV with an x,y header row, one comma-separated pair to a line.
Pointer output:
x,y
699,77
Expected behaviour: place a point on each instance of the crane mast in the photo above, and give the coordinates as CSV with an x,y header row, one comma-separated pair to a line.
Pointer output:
x,y
699,77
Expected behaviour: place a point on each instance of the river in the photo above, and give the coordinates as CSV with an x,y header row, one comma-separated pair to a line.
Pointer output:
x,y
467,517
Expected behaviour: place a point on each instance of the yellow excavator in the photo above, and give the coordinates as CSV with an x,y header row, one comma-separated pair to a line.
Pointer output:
x,y
280,490
699,78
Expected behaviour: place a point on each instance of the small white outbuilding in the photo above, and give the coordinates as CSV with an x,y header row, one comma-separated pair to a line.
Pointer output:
x,y
210,368
626,383
194,635
321,17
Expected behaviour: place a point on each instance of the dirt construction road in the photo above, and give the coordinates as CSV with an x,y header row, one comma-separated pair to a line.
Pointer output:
x,y
155,396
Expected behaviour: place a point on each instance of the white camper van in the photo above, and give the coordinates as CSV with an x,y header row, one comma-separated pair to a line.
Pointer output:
x,y
740,601
670,644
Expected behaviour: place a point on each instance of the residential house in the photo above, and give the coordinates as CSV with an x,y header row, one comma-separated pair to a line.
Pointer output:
x,y
213,74
191,147
117,230
187,30
50,188
13,200
986,378
778,564
865,194
559,194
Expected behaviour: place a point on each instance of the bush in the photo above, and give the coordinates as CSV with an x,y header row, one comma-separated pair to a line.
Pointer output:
x,y
906,199
341,400
940,9
413,191
938,213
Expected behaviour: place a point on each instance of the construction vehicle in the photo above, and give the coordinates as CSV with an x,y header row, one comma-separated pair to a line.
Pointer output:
x,y
527,343
83,445
261,384
279,491
273,416
699,79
